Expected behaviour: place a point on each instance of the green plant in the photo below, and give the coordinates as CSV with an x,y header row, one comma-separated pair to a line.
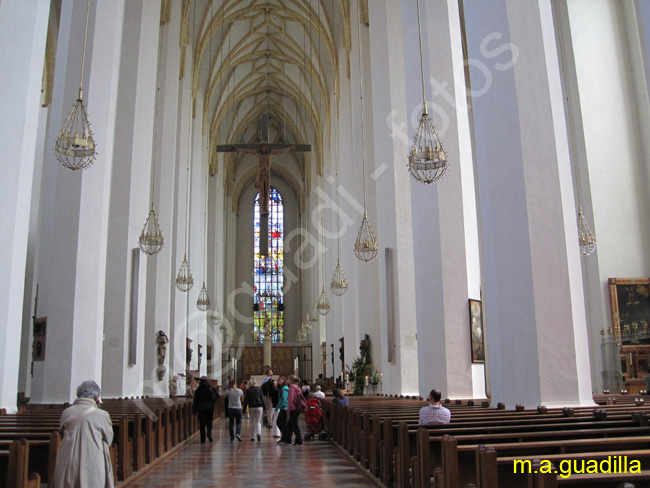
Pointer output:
x,y
360,366
374,377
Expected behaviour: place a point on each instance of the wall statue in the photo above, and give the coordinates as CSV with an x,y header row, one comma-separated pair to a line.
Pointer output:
x,y
162,340
364,348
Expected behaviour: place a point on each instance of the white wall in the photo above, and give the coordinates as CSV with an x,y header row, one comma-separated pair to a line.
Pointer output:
x,y
616,163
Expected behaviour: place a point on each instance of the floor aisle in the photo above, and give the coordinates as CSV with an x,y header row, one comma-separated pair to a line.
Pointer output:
x,y
251,464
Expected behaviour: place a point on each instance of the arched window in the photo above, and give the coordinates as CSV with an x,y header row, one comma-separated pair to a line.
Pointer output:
x,y
268,271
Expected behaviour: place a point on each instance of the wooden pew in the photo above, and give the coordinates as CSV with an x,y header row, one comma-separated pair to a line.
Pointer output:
x,y
18,476
140,436
370,431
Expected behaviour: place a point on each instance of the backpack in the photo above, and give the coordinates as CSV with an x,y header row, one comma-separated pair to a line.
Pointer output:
x,y
214,395
301,402
266,387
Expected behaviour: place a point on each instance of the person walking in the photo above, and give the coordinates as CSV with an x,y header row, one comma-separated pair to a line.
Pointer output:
x,y
84,459
274,395
296,405
267,385
203,405
254,400
235,397
281,407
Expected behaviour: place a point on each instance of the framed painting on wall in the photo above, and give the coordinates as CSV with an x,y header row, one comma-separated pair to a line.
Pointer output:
x,y
476,331
630,302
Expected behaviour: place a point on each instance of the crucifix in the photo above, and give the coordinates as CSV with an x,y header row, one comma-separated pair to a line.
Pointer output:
x,y
263,151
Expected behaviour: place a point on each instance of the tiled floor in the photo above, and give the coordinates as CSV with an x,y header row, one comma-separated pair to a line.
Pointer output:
x,y
251,464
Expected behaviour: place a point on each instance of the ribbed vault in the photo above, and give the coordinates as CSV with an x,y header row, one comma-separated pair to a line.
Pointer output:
x,y
275,57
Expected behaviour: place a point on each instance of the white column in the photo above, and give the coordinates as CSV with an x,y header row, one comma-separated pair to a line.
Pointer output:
x,y
73,243
23,29
162,311
534,311
444,214
393,188
130,202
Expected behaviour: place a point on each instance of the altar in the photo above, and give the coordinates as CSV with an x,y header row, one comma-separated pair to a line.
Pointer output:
x,y
248,361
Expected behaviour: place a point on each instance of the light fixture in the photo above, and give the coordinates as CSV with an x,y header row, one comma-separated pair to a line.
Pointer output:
x,y
339,284
323,303
75,146
427,158
314,319
184,280
365,247
203,301
586,238
215,316
151,240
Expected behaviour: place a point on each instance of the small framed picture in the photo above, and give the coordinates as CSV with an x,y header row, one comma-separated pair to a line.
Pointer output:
x,y
38,346
476,331
40,326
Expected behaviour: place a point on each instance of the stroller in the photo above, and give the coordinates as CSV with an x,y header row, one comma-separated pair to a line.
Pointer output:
x,y
314,419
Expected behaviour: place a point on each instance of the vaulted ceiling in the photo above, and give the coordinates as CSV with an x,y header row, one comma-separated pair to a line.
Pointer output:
x,y
275,57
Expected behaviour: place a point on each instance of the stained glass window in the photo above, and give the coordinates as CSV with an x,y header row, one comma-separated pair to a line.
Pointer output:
x,y
268,271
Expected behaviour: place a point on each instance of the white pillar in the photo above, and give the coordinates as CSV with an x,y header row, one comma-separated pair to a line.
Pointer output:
x,y
444,214
162,310
393,188
130,201
533,297
73,258
23,29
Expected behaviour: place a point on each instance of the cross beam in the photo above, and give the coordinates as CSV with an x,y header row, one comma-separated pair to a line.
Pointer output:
x,y
264,174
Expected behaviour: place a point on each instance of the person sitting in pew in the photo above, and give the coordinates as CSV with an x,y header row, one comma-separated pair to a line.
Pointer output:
x,y
434,413
84,460
339,397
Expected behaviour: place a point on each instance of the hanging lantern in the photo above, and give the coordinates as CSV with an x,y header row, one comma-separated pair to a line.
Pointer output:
x,y
586,239
151,240
323,303
215,316
75,146
314,319
365,247
427,160
203,301
184,280
339,283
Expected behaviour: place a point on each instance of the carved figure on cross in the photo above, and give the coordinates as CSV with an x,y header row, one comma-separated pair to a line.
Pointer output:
x,y
263,180
263,152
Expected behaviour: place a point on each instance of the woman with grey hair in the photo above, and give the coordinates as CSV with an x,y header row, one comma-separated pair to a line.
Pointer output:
x,y
84,459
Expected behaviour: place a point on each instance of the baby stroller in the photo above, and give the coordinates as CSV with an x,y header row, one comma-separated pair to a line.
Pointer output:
x,y
314,419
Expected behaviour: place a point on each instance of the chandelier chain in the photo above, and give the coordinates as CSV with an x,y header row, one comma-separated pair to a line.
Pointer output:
x,y
586,238
363,151
424,101
83,55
